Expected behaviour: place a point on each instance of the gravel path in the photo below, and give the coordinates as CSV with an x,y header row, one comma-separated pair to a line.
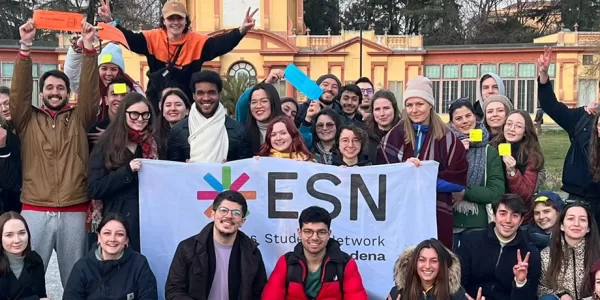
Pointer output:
x,y
53,284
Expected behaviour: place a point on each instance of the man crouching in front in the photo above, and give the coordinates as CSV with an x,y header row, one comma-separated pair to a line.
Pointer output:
x,y
330,272
220,262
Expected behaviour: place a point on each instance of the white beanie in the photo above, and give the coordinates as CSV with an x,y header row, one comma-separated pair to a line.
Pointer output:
x,y
419,87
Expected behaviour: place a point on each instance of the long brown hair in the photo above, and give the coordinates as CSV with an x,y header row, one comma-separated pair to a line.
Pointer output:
x,y
297,145
370,124
557,253
5,217
413,288
530,145
114,140
437,127
594,154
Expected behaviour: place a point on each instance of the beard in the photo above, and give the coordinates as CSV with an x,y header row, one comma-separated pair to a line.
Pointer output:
x,y
56,107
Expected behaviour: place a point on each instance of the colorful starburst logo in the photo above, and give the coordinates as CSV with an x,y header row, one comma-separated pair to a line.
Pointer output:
x,y
224,184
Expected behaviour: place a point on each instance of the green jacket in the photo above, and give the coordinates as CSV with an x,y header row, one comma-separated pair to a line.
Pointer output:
x,y
482,195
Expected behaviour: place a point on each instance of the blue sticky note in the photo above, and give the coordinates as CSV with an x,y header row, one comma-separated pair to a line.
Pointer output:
x,y
303,83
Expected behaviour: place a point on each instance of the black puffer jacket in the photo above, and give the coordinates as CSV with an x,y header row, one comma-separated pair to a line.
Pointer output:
x,y
193,268
31,284
10,173
179,147
128,277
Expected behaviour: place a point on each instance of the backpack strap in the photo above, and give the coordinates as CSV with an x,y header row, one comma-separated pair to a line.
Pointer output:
x,y
291,268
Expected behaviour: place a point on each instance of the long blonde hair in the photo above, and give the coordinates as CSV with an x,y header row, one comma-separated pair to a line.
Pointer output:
x,y
437,127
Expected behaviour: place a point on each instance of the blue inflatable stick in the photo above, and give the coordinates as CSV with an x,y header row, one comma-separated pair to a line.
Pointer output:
x,y
303,83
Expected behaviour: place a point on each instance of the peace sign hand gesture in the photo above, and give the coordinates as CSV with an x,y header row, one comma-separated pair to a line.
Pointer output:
x,y
479,297
520,269
543,64
249,21
104,11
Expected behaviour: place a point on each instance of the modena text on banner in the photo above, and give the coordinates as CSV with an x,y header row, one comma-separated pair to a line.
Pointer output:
x,y
378,211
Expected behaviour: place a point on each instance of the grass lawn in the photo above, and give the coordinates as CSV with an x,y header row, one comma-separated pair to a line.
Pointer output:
x,y
555,144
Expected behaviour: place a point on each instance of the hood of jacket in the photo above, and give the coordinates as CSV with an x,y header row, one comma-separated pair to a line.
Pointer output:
x,y
401,270
499,82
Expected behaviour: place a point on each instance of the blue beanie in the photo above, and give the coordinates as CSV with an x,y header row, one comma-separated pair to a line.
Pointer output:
x,y
550,197
112,54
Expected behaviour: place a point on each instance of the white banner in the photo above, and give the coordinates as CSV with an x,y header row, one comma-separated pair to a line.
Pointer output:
x,y
377,211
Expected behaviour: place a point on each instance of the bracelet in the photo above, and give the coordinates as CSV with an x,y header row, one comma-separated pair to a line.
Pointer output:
x,y
26,44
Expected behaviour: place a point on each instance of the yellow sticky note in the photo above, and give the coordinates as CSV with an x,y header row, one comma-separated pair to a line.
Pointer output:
x,y
106,58
119,88
504,149
476,135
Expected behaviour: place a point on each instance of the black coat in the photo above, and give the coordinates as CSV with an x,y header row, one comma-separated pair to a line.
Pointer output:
x,y
576,177
485,264
193,268
117,189
30,285
93,279
10,174
179,147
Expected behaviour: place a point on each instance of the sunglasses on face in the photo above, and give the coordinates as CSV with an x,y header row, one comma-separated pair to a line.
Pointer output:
x,y
135,115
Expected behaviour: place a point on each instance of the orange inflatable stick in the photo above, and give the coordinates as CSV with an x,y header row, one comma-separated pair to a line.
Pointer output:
x,y
57,20
107,32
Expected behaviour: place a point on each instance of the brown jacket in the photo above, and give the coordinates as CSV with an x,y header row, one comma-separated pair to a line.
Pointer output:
x,y
54,150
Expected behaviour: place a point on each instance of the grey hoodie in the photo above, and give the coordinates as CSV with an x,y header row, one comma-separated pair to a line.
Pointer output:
x,y
501,90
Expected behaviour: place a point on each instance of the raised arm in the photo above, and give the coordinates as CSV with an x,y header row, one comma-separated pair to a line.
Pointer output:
x,y
89,93
564,116
72,67
137,41
22,81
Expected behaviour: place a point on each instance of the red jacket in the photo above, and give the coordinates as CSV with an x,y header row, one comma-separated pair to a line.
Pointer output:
x,y
330,289
523,184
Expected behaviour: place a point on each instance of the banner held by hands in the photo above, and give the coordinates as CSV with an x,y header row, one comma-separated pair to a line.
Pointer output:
x,y
57,20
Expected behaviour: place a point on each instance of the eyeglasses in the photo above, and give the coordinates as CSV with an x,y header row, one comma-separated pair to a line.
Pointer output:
x,y
328,125
368,91
463,99
135,115
223,211
320,233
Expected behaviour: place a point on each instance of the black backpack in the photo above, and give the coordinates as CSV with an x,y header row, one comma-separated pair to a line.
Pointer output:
x,y
291,268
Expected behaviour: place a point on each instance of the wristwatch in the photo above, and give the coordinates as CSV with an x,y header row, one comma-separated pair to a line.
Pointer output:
x,y
512,173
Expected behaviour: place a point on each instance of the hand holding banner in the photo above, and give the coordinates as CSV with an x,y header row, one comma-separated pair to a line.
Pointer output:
x,y
66,21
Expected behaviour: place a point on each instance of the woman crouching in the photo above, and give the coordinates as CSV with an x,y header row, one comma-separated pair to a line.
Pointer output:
x,y
429,271
112,270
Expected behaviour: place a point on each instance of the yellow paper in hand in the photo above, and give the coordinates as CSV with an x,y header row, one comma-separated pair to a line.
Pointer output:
x,y
119,88
476,135
504,149
106,58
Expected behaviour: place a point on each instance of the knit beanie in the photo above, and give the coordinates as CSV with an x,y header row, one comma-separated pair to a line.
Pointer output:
x,y
498,98
112,54
326,76
419,87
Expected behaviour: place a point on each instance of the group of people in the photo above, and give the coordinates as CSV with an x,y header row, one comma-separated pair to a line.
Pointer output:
x,y
69,178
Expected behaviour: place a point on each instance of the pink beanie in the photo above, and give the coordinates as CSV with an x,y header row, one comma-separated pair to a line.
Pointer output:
x,y
419,87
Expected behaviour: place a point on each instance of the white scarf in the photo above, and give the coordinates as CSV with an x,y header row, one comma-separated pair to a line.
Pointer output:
x,y
208,139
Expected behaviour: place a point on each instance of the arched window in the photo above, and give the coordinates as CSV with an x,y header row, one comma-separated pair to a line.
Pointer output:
x,y
242,69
